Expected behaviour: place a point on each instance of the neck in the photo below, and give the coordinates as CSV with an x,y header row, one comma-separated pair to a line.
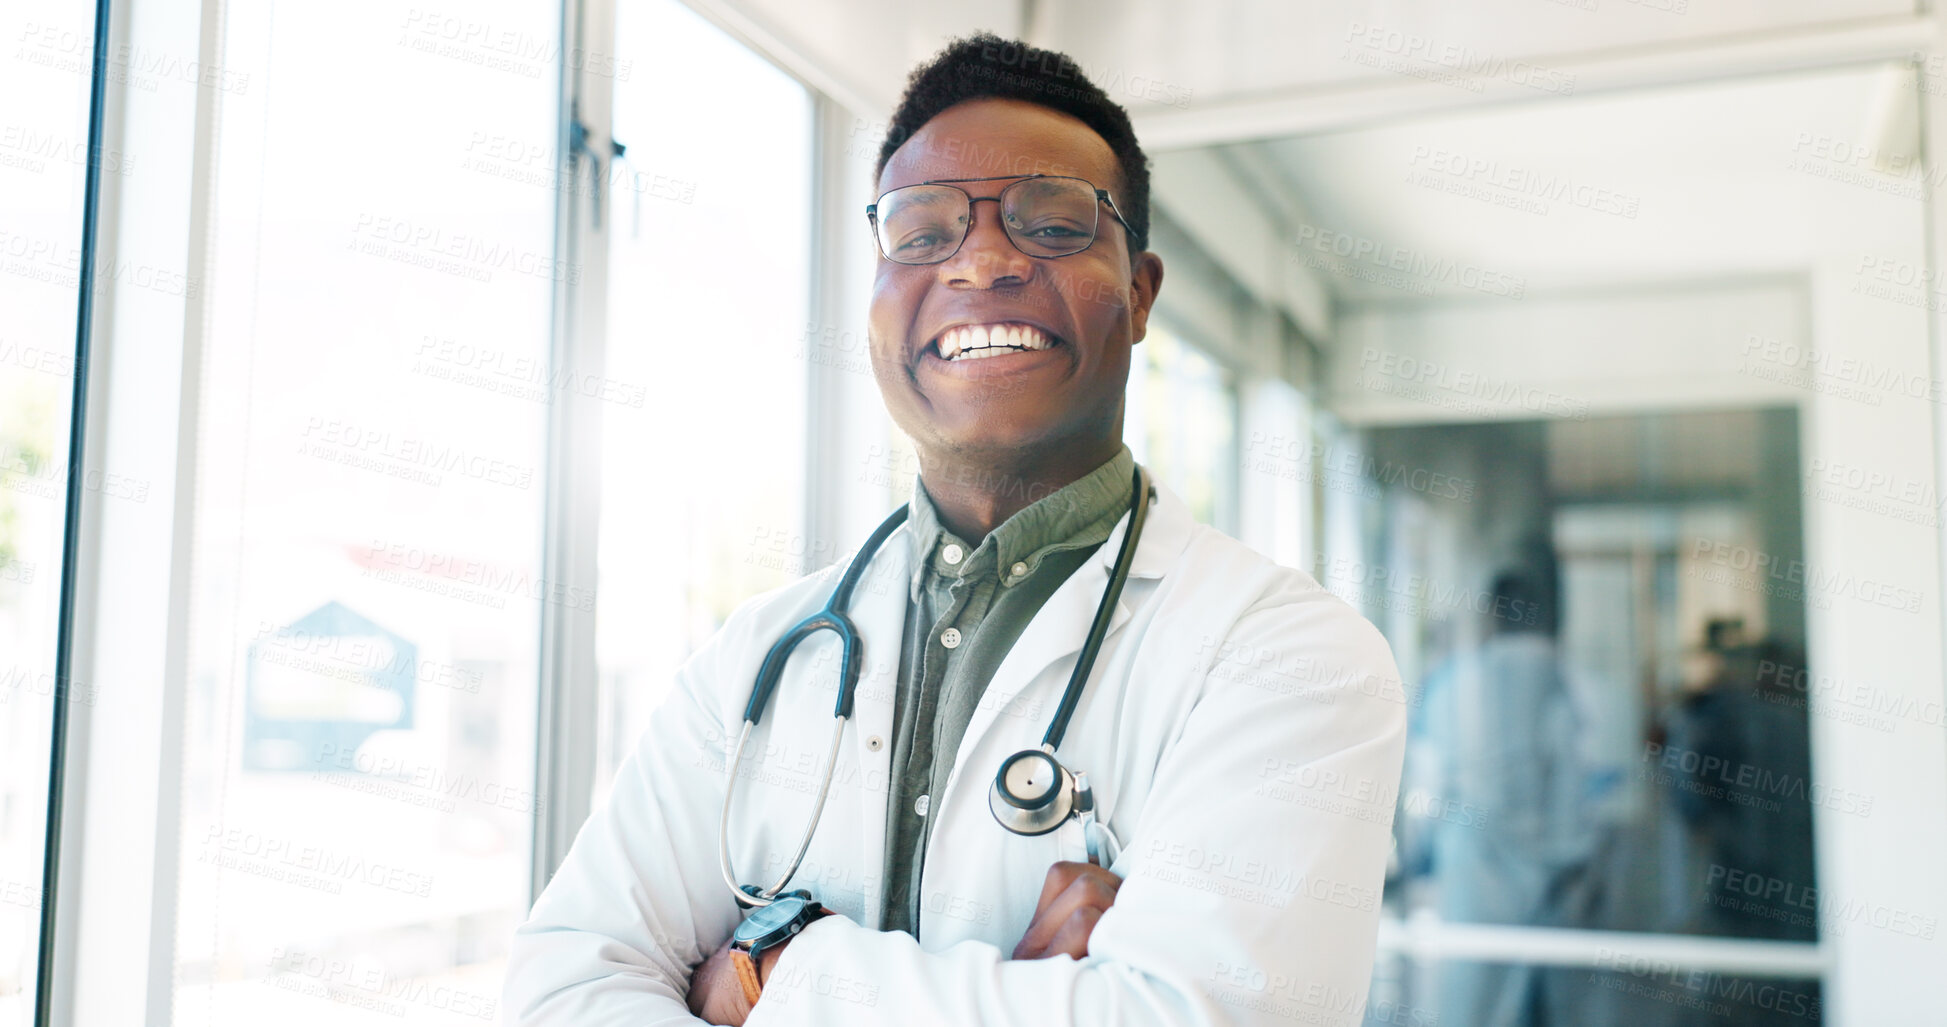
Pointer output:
x,y
975,493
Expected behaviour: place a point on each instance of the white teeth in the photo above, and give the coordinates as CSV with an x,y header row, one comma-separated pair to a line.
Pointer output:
x,y
969,342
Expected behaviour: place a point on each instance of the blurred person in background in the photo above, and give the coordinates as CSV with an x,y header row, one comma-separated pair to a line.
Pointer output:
x,y
1501,737
1745,796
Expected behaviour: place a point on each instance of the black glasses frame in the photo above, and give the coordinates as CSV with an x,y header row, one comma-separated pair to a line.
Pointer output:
x,y
1101,195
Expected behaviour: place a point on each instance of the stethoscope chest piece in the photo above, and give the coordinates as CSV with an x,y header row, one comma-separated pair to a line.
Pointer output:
x,y
1032,794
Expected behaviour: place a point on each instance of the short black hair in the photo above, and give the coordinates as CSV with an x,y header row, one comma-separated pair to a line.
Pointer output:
x,y
985,65
1528,606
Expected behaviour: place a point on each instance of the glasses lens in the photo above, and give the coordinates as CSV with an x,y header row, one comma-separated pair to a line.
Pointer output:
x,y
1050,217
921,224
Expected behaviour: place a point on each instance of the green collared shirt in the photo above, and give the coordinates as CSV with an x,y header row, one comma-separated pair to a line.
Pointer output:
x,y
971,603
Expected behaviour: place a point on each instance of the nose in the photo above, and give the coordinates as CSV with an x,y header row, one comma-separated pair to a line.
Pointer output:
x,y
987,257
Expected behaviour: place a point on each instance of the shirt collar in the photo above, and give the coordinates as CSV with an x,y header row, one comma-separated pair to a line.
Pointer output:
x,y
1081,513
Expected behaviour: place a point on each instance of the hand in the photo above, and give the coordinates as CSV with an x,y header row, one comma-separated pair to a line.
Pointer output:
x,y
1073,898
715,995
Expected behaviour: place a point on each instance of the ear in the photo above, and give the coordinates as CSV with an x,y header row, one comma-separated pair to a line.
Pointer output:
x,y
1145,281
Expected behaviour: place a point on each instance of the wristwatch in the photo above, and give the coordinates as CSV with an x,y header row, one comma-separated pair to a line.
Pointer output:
x,y
765,929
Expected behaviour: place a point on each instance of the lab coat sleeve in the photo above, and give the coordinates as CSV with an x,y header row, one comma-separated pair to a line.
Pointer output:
x,y
639,900
1251,881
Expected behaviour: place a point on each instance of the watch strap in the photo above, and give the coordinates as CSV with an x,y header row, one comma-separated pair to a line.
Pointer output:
x,y
746,975
745,960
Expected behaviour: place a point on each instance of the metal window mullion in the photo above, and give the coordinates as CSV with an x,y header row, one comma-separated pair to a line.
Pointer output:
x,y
54,949
825,426
109,915
569,689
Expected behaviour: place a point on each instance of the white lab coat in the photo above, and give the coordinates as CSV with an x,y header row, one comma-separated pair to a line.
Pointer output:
x,y
1243,731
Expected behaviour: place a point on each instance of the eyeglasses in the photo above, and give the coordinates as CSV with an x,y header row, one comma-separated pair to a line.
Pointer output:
x,y
1044,215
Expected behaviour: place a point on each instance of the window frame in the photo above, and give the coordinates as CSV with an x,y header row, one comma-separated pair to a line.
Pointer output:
x,y
570,684
111,926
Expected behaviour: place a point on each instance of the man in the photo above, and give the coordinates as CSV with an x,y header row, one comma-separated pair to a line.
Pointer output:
x,y
1242,729
1506,736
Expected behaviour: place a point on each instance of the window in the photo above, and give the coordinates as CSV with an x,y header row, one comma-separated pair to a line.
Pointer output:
x,y
358,742
703,464
1275,473
1181,422
43,160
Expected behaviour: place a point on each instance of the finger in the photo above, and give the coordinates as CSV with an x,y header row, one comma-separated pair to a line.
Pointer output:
x,y
723,1010
1021,951
727,1008
725,1004
1060,873
1075,931
1096,890
1063,875
716,996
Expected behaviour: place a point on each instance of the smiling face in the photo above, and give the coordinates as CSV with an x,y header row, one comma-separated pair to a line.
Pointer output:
x,y
1075,317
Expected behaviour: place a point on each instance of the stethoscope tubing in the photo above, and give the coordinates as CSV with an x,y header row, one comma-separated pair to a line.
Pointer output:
x,y
1104,612
832,618
768,895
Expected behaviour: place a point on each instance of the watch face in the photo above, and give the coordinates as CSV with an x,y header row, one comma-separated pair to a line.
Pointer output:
x,y
766,919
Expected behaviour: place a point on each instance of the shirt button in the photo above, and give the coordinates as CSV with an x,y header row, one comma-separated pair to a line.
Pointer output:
x,y
950,638
874,743
952,553
1018,570
919,805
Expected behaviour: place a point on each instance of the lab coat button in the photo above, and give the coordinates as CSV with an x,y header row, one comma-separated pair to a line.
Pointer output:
x,y
950,638
919,805
874,743
952,553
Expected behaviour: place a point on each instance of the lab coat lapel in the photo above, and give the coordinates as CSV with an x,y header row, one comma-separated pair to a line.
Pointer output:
x,y
879,613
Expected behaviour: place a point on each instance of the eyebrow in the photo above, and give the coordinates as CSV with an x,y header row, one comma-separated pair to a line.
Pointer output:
x,y
926,201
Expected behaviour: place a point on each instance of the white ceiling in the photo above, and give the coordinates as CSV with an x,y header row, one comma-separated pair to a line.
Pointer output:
x,y
1208,51
1230,48
1713,170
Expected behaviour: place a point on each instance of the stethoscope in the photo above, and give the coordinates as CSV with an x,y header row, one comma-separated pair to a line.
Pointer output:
x,y
1032,794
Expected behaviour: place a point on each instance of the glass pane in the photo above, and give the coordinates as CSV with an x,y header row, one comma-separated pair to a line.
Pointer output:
x,y
358,798
1182,423
1275,477
699,372
43,161
1609,730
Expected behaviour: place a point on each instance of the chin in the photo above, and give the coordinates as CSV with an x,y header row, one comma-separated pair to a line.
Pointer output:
x,y
983,440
